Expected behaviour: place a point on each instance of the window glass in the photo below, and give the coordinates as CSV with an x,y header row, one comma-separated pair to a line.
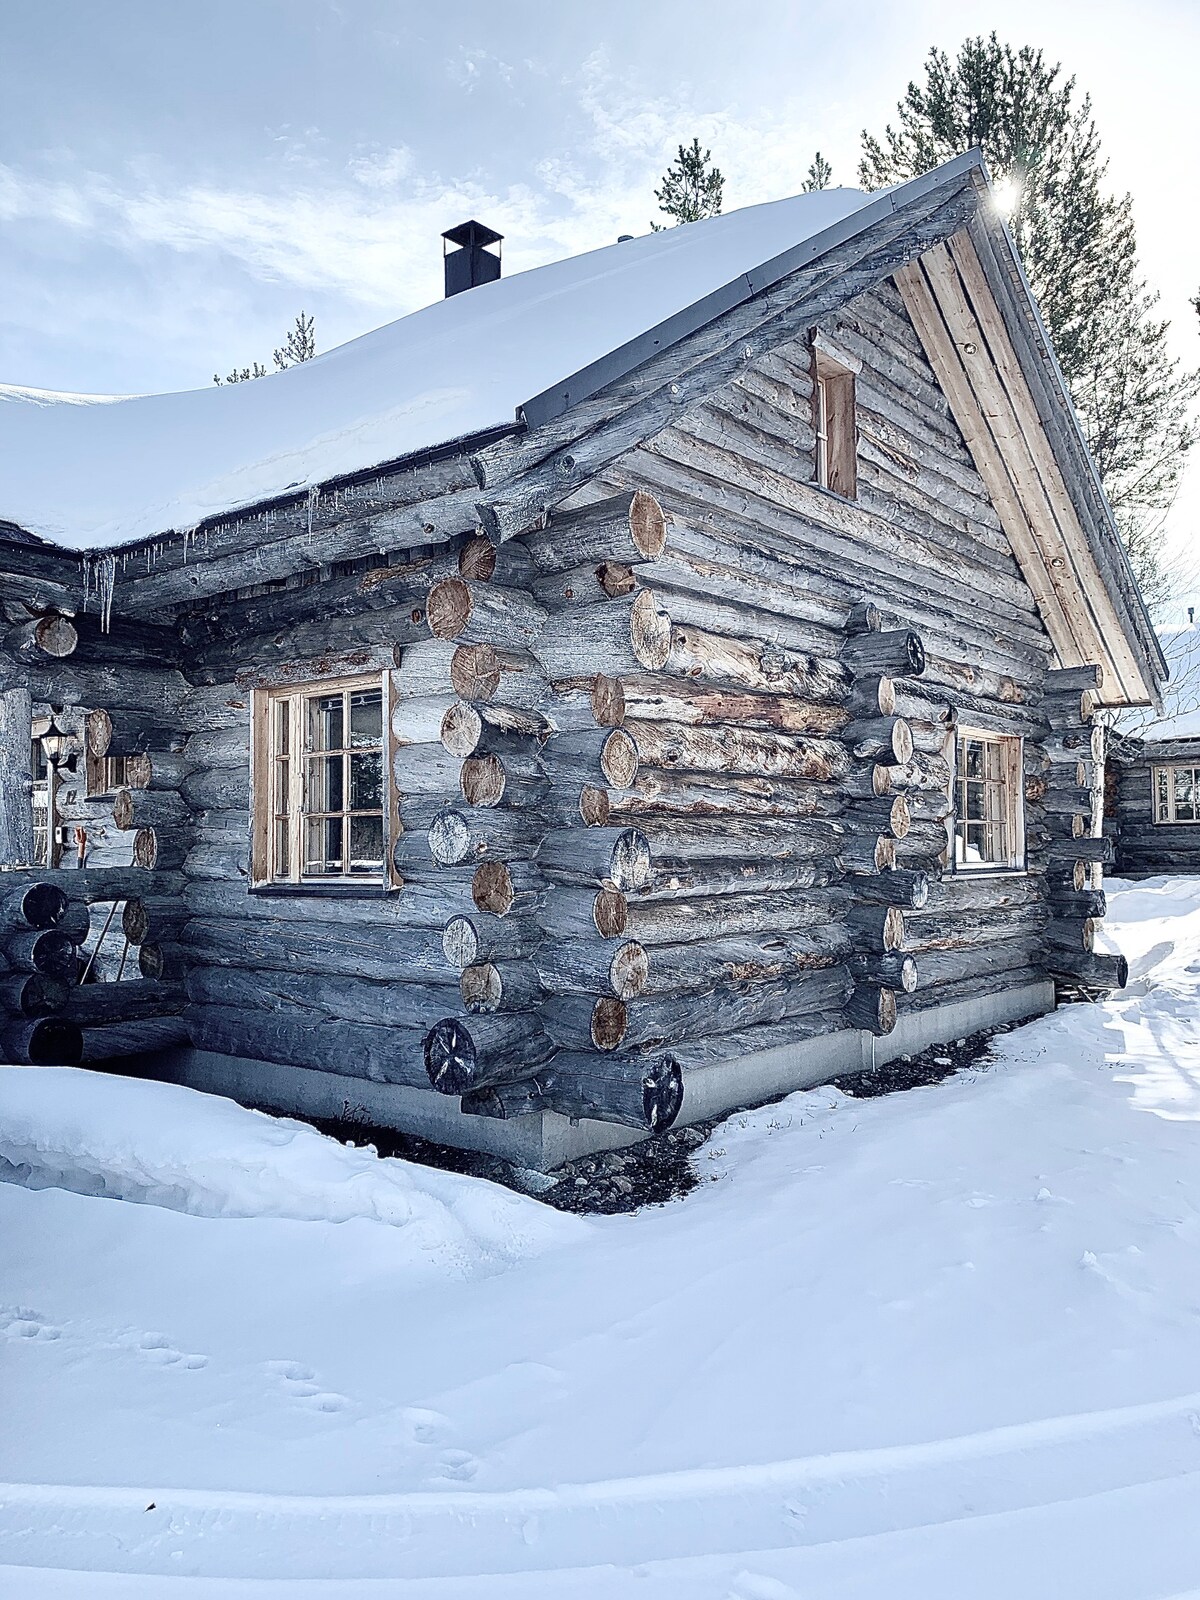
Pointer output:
x,y
1177,794
987,801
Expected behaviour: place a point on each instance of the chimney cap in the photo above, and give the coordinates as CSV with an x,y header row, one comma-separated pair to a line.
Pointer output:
x,y
472,233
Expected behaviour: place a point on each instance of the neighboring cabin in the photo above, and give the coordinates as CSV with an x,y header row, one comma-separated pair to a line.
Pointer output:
x,y
627,690
1154,783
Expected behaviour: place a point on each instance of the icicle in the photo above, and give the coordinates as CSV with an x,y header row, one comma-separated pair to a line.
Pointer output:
x,y
106,582
314,501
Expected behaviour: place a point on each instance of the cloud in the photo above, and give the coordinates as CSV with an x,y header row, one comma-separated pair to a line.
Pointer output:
x,y
384,169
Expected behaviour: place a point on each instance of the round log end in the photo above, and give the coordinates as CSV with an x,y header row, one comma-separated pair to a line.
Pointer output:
x,y
492,888
450,1058
43,905
1120,972
41,995
482,781
629,970
145,847
662,1094
449,838
885,853
135,921
461,729
481,987
608,701
56,956
477,559
474,671
649,632
97,732
893,929
152,961
887,1010
56,635
594,806
610,1020
647,525
610,912
881,780
902,740
885,697
908,974
920,891
460,943
615,579
632,865
123,809
448,608
619,759
900,817
914,652
55,1042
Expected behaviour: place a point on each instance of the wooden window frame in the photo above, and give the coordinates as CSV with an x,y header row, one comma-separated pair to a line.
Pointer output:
x,y
263,761
834,418
1012,748
107,774
1168,769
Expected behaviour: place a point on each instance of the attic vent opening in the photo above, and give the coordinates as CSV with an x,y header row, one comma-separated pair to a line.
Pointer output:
x,y
470,263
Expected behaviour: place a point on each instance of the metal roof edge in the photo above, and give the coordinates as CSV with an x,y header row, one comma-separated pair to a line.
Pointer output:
x,y
597,375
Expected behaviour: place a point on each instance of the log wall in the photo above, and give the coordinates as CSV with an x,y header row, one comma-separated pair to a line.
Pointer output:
x,y
1143,847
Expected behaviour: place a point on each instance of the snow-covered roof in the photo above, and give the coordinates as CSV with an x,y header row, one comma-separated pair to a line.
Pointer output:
x,y
94,472
1180,716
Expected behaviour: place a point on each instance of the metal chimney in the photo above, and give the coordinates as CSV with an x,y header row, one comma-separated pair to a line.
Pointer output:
x,y
471,263
1192,615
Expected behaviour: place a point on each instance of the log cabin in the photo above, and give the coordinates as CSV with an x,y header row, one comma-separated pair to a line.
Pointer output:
x,y
619,692
1153,774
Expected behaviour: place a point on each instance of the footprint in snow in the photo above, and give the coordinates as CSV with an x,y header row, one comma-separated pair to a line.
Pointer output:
x,y
460,1465
156,1347
299,1383
758,1586
19,1322
426,1427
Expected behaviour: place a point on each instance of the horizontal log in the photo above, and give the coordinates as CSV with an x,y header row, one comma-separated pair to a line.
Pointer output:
x,y
678,921
582,966
158,852
147,1036
923,772
579,913
323,1044
45,1042
886,740
738,750
500,986
394,954
483,613
724,1009
160,916
659,796
893,970
867,854
602,756
50,635
40,905
1091,970
163,959
506,1101
91,884
602,857
624,635
216,789
466,730
767,958
660,698
32,995
627,527
873,1008
1082,849
466,1054
1071,934
766,668
694,880
876,927
895,654
310,996
456,837
904,888
48,951
468,940
999,956
641,1092
93,1004
720,838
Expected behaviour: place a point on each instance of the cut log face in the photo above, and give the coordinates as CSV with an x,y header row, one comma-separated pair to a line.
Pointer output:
x,y
474,672
41,906
492,888
635,1091
49,1042
448,607
34,996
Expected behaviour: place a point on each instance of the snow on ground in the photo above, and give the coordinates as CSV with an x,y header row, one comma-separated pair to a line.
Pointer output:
x,y
936,1345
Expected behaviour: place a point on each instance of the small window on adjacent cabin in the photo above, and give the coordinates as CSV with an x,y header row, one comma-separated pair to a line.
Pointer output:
x,y
834,424
43,841
1177,794
989,827
107,774
319,792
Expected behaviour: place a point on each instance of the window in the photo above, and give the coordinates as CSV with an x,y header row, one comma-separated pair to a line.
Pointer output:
x,y
107,774
989,825
833,419
319,797
42,785
1177,794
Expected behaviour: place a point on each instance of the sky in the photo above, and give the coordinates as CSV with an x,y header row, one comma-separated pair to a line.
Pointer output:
x,y
176,182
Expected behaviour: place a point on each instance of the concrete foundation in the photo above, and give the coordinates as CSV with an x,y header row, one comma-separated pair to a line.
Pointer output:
x,y
546,1141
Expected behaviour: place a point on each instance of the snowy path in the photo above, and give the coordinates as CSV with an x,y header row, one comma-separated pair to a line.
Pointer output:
x,y
941,1344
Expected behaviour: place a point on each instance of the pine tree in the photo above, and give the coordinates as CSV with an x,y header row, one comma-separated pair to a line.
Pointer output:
x,y
242,374
300,345
691,189
819,174
1079,248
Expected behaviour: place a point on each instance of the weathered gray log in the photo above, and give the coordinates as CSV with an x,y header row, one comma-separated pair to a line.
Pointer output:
x,y
161,809
157,852
876,927
628,634
468,940
515,781
51,635
693,880
147,1036
500,986
939,967
893,970
164,959
767,668
872,1008
134,732
1091,970
577,913
604,756
619,857
506,1101
301,994
32,995
930,738
896,654
729,916
157,916
768,958
583,585
93,1004
725,1008
922,772
738,750
328,1044
1071,935
906,889
90,884
16,809
950,930
47,1042
465,1054
1082,849
627,527
1074,744
867,854
465,730
47,951
642,1092
38,905
658,797
660,698
582,966
215,789
1088,903
1074,680
454,837
864,616
483,613
571,804
721,838
886,740
395,954
504,888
